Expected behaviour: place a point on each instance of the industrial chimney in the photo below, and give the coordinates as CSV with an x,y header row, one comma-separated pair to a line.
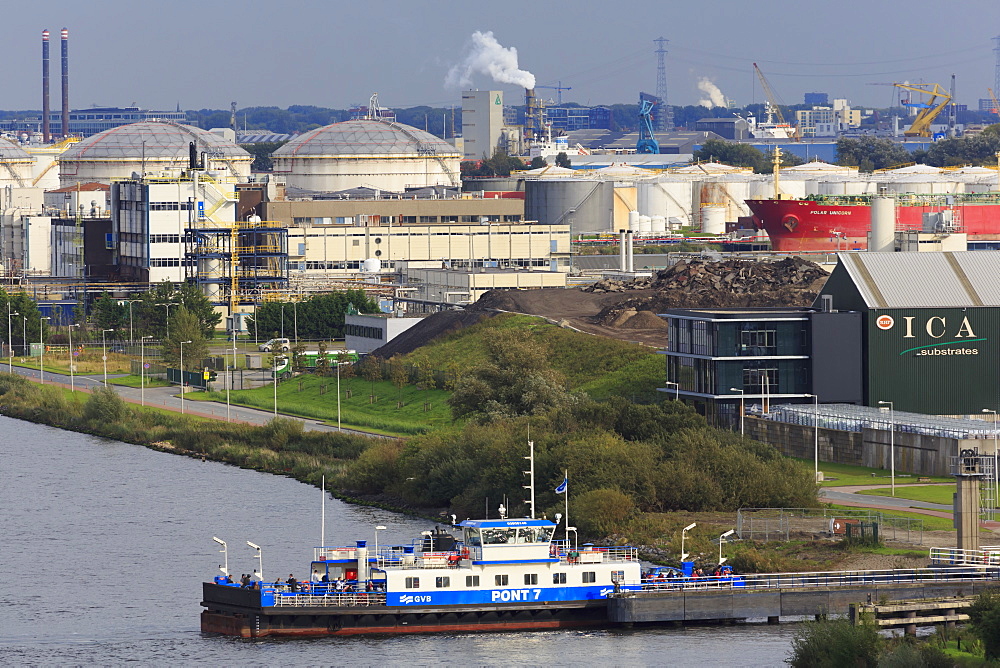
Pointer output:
x,y
46,133
65,83
531,124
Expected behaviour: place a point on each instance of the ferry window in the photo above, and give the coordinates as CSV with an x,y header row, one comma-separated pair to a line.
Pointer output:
x,y
413,583
442,583
559,578
498,536
526,535
472,537
471,580
545,534
502,580
531,578
617,576
589,576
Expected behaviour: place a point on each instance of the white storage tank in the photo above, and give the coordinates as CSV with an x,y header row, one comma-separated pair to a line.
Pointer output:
x,y
16,170
665,196
713,219
644,224
372,265
883,227
658,224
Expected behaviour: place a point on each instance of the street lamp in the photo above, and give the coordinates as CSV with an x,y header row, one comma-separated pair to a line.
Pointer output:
x,y
815,436
225,556
377,529
72,381
274,372
338,394
892,444
182,375
576,539
722,539
260,561
41,349
295,313
142,370
167,306
685,555
10,343
282,319
996,474
130,302
104,353
677,389
742,406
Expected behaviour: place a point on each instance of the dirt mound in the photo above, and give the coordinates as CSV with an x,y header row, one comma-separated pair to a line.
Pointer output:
x,y
431,327
697,284
644,320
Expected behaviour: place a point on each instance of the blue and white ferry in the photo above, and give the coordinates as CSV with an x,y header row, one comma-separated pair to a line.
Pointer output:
x,y
478,575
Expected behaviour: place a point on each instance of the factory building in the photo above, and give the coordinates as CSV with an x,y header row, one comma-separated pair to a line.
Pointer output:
x,y
364,332
482,122
430,288
150,146
369,153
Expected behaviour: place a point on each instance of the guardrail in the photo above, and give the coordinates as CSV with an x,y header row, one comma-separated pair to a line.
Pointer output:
x,y
989,555
331,600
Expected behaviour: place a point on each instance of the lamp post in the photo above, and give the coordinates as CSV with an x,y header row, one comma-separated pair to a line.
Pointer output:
x,y
377,529
274,372
226,359
167,306
282,319
142,369
104,353
225,556
295,320
130,302
677,389
10,343
684,555
576,539
892,444
72,381
338,395
182,375
742,406
260,561
24,336
996,473
815,436
41,349
722,539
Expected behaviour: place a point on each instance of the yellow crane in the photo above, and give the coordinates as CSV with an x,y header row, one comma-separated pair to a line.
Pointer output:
x,y
939,99
772,107
996,105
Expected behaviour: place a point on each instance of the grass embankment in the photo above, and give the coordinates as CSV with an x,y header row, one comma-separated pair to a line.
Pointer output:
x,y
136,381
842,475
931,522
397,411
600,367
933,494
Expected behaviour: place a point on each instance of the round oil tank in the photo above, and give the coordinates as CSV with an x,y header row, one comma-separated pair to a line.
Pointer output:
x,y
659,224
372,265
369,153
669,197
17,165
149,146
643,224
633,220
713,219
586,205
883,225
493,184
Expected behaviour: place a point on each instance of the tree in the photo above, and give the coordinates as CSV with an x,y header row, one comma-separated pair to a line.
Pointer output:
x,y
322,361
109,313
538,162
562,160
320,316
834,644
984,618
185,326
742,155
262,152
24,326
398,375
870,153
150,316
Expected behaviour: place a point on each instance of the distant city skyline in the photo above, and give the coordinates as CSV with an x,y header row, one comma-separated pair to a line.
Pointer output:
x,y
305,52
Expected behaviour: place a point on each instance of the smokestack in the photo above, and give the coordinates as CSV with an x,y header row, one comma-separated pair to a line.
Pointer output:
x,y
530,114
65,82
46,133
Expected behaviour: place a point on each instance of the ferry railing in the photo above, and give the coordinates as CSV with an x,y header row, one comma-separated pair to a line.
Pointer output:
x,y
332,599
334,553
596,555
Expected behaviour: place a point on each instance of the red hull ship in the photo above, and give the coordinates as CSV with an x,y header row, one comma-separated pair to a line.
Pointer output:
x,y
842,222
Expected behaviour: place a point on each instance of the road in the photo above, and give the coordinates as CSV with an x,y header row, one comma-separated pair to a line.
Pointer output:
x,y
849,493
170,399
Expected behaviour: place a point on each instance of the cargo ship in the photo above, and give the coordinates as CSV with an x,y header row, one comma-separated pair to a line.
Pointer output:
x,y
842,222
478,575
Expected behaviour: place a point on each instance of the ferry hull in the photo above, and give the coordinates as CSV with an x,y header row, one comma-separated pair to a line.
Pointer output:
x,y
795,226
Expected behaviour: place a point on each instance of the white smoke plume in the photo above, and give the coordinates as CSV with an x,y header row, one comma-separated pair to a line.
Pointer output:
x,y
714,98
487,56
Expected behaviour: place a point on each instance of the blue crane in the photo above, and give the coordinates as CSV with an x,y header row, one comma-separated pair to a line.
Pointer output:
x,y
647,140
560,88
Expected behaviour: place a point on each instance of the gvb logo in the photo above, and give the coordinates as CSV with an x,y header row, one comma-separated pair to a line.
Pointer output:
x,y
409,599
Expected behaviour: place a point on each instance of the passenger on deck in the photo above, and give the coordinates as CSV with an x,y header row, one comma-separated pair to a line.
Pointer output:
x,y
316,577
325,578
293,584
229,580
245,580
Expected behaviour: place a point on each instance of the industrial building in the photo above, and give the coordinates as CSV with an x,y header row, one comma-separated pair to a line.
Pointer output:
x,y
431,288
918,331
364,332
482,122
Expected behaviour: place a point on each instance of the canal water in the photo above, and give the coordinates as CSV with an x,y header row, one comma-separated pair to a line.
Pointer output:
x,y
104,546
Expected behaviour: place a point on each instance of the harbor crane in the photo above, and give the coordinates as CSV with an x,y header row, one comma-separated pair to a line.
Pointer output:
x,y
773,110
939,99
559,88
996,105
647,140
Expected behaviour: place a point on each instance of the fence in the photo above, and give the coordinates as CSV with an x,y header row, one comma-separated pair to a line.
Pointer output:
x,y
768,524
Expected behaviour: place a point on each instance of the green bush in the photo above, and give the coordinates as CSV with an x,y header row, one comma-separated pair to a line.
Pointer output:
x,y
601,512
984,618
836,643
105,407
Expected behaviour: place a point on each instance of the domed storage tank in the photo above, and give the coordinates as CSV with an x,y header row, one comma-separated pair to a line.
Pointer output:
x,y
367,153
372,265
643,224
713,219
149,146
669,197
659,224
16,164
550,201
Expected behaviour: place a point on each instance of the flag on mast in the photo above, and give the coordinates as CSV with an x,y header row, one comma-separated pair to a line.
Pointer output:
x,y
563,486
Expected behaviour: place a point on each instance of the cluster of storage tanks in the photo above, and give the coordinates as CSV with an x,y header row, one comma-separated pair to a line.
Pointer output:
x,y
707,196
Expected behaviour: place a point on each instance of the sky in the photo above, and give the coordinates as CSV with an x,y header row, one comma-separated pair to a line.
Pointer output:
x,y
208,53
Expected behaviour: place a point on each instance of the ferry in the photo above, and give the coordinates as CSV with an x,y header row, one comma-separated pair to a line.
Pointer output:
x,y
477,575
